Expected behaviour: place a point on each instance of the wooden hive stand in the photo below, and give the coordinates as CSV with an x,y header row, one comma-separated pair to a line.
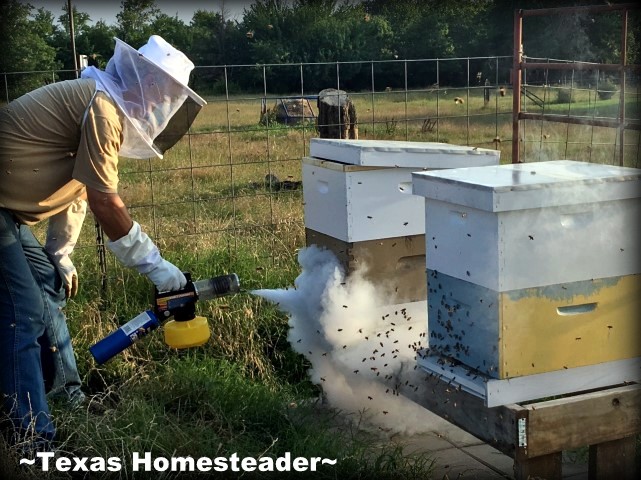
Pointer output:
x,y
535,434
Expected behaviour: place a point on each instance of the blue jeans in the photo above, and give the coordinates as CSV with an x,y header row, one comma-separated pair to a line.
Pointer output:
x,y
36,355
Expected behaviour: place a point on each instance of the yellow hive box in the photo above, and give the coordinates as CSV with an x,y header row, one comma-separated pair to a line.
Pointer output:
x,y
534,330
397,264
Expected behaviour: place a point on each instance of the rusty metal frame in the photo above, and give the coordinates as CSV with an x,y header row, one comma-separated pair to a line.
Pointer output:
x,y
519,65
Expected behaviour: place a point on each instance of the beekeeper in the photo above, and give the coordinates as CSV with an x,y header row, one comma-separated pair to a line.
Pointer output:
x,y
59,149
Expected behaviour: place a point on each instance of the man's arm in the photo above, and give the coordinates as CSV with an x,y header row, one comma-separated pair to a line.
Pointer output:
x,y
111,213
131,246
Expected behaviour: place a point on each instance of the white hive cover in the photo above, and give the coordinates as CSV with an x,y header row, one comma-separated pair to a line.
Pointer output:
x,y
395,153
529,185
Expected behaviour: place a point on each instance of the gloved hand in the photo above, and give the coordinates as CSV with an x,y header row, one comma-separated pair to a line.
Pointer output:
x,y
68,273
136,250
62,234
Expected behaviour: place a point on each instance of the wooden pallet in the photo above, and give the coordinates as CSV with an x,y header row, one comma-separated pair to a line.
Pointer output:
x,y
497,392
535,434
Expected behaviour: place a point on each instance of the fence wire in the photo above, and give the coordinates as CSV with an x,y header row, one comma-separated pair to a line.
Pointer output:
x,y
228,196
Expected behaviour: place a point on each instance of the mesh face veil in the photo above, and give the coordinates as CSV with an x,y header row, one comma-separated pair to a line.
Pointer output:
x,y
149,95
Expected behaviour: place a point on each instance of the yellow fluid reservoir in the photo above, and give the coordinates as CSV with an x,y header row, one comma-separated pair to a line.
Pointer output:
x,y
186,334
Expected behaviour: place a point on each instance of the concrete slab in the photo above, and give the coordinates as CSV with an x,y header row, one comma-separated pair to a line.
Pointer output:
x,y
457,436
456,463
489,455
425,442
457,454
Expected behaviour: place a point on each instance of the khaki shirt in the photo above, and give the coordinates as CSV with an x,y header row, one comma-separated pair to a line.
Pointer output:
x,y
54,141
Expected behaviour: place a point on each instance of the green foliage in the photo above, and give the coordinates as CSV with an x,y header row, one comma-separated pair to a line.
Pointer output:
x,y
99,41
208,34
134,21
312,31
80,20
61,39
172,28
606,90
269,117
565,95
191,405
216,400
24,46
322,32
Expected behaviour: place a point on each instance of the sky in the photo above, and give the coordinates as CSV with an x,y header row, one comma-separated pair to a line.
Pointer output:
x,y
107,10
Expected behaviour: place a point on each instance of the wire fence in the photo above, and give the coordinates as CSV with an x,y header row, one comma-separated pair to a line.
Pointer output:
x,y
228,196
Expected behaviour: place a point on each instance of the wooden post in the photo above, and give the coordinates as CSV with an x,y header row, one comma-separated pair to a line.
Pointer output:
x,y
516,83
336,115
486,92
613,459
546,467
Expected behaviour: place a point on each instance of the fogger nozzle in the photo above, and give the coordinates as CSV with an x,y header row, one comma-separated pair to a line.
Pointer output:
x,y
217,286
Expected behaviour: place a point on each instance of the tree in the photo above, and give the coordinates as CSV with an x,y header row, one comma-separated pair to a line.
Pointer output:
x,y
25,48
207,45
317,32
100,41
585,37
172,29
134,21
61,38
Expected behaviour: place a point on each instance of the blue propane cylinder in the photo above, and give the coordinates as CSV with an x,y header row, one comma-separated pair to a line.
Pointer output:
x,y
125,336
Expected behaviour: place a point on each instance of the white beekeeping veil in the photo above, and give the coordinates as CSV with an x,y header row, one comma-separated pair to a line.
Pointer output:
x,y
149,86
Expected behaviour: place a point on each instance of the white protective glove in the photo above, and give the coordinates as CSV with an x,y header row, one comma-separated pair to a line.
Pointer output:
x,y
62,234
136,250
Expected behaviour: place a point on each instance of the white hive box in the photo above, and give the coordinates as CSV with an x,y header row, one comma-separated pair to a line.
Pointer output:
x,y
359,190
526,225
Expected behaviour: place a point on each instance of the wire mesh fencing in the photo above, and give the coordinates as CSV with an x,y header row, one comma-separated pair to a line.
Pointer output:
x,y
228,196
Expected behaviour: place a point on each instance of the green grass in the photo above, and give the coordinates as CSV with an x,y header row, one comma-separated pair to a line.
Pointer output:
x,y
244,392
194,404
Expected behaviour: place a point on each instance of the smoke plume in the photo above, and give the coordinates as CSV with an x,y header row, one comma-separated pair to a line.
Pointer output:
x,y
362,351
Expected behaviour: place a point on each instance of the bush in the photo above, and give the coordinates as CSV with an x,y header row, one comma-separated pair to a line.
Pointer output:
x,y
606,90
564,95
218,88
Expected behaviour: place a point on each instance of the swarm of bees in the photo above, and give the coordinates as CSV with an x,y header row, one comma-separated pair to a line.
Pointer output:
x,y
381,351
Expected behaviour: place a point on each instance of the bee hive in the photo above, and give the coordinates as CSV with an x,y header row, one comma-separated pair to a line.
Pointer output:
x,y
357,190
533,268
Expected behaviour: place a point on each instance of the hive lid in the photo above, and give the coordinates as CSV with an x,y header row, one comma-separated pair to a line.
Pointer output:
x,y
394,153
529,185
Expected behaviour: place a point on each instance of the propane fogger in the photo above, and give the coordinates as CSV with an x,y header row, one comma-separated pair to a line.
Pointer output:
x,y
184,330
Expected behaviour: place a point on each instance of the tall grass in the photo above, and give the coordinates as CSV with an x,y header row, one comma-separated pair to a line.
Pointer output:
x,y
245,391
